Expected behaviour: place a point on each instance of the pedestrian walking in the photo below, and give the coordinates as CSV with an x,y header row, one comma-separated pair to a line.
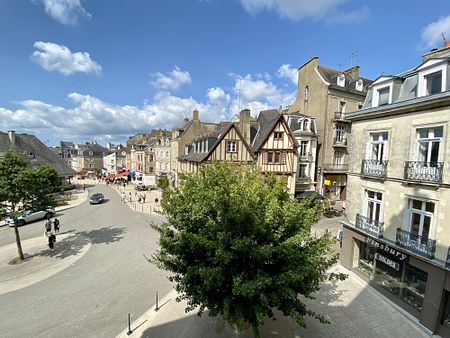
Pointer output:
x,y
143,198
123,197
56,225
130,197
50,236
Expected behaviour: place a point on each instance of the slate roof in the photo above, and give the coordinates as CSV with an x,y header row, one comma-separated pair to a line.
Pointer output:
x,y
330,75
267,120
36,151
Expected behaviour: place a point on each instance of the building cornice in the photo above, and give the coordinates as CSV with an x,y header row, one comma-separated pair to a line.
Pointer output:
x,y
404,107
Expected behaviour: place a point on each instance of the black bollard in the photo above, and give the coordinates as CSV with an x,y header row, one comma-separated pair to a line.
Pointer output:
x,y
156,308
129,324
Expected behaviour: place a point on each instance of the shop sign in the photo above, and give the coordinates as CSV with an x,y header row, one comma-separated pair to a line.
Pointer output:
x,y
387,261
386,248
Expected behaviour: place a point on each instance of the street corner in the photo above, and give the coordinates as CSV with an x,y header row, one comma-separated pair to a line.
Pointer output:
x,y
40,262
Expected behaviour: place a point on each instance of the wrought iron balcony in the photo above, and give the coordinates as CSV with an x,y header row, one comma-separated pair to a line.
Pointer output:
x,y
374,168
369,226
340,142
340,117
420,245
424,171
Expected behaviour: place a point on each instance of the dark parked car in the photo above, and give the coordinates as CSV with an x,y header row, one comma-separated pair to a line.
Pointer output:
x,y
96,198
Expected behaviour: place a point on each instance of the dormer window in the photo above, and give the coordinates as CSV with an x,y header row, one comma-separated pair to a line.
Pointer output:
x,y
432,80
383,96
359,85
434,83
341,80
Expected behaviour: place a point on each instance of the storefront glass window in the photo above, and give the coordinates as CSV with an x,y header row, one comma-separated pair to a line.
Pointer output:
x,y
446,313
388,273
415,283
366,258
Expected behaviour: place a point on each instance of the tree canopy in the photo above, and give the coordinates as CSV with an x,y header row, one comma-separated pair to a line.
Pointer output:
x,y
240,246
23,188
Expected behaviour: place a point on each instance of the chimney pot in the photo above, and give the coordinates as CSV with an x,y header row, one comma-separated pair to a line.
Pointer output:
x,y
446,43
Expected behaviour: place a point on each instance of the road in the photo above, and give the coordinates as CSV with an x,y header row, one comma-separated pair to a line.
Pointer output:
x,y
92,296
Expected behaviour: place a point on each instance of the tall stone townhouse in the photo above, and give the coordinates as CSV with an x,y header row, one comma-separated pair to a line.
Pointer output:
x,y
161,150
397,234
88,157
326,94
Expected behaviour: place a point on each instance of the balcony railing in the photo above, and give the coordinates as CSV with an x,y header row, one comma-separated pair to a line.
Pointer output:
x,y
331,167
340,116
340,142
369,226
424,171
420,245
374,168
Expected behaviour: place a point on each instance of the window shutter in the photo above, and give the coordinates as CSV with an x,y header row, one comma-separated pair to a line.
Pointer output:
x,y
264,158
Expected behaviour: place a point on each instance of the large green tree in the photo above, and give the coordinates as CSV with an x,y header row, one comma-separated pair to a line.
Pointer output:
x,y
240,246
23,188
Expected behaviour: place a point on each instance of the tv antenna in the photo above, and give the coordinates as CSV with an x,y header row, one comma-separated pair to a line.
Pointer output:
x,y
353,58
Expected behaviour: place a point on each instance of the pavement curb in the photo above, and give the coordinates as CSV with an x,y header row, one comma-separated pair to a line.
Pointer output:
x,y
144,322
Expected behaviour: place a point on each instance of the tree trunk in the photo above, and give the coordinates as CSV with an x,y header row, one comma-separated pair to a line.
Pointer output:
x,y
19,244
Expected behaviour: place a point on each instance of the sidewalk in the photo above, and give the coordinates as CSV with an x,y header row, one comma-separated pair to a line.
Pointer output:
x,y
353,308
40,262
152,198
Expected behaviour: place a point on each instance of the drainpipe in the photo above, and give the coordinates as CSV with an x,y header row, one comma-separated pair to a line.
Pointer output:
x,y
325,142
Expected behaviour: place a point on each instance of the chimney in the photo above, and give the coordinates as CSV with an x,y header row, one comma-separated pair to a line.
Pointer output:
x,y
353,72
196,122
195,115
12,137
436,53
244,124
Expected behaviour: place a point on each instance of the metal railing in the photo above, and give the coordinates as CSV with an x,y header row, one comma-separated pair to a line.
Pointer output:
x,y
419,244
424,171
340,116
369,226
374,168
340,142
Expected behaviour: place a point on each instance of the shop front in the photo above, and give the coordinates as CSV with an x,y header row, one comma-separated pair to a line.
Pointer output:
x,y
415,284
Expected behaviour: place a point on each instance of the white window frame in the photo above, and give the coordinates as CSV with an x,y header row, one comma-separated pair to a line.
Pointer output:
x,y
430,139
340,133
306,174
303,149
376,94
340,80
376,203
422,90
231,147
338,157
423,213
383,155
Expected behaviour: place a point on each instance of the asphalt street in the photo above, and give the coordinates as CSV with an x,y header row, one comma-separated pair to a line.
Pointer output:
x,y
93,295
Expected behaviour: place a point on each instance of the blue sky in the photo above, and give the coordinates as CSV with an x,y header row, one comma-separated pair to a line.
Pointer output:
x,y
80,70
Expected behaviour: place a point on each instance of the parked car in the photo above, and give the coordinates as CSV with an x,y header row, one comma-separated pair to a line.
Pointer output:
x,y
96,198
29,216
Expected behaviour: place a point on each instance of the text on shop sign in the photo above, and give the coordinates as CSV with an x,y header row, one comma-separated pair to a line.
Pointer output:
x,y
387,261
386,248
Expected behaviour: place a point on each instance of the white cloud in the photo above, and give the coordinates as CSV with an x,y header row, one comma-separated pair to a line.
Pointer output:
x,y
300,9
86,117
66,12
288,72
52,56
431,35
173,81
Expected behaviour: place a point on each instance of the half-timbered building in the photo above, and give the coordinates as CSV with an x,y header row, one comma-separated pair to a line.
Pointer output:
x,y
275,147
